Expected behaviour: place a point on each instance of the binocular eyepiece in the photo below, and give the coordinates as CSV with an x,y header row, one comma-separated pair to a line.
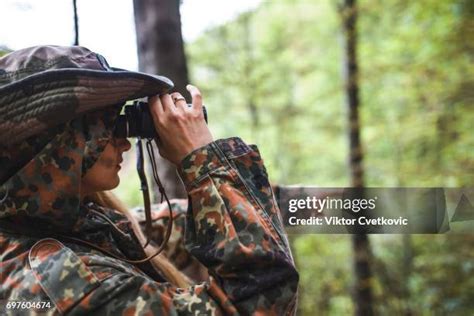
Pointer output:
x,y
137,121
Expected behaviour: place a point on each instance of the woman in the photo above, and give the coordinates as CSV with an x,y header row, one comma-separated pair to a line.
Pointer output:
x,y
64,246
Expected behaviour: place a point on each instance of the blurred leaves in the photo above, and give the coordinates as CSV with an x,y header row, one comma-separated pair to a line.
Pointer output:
x,y
283,63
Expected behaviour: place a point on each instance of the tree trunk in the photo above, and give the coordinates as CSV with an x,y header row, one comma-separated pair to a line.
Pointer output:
x,y
76,23
161,51
360,241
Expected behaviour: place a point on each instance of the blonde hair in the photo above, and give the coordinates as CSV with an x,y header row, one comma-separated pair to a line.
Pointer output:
x,y
159,262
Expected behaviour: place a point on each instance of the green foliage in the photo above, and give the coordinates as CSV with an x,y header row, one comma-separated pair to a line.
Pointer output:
x,y
431,275
273,77
325,274
266,93
413,116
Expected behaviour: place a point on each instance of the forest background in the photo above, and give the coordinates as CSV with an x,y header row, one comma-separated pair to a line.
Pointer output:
x,y
274,76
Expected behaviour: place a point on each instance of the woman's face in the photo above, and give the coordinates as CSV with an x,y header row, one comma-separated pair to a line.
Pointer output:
x,y
104,173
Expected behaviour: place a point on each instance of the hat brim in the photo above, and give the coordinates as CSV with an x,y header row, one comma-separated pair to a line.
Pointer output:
x,y
43,100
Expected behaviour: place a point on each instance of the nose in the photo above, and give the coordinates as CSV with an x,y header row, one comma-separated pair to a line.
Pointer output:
x,y
123,144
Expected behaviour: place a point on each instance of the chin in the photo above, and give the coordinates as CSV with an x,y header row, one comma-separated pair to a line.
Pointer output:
x,y
115,183
111,184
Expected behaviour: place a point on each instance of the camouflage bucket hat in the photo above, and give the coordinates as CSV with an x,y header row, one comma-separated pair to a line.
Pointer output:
x,y
43,86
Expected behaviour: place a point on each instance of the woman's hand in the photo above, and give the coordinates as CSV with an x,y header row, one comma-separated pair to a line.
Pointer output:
x,y
182,129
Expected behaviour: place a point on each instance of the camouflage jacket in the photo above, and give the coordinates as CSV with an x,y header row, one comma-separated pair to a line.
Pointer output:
x,y
230,227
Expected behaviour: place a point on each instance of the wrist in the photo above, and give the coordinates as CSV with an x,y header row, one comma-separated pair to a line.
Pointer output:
x,y
188,150
204,160
197,164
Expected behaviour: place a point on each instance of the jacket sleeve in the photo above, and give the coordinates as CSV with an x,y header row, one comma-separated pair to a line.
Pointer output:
x,y
233,228
175,249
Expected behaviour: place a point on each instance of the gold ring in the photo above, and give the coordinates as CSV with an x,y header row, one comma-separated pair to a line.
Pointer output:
x,y
179,99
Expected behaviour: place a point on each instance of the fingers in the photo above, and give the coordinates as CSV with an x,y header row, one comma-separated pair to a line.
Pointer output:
x,y
177,97
168,104
197,97
164,105
179,101
156,108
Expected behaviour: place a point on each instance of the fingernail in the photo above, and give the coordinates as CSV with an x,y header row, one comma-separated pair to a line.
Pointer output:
x,y
189,86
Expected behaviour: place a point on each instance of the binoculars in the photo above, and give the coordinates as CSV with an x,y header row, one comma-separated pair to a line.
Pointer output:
x,y
137,121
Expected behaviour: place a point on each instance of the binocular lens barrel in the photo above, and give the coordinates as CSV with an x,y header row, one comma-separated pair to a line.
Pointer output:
x,y
137,122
